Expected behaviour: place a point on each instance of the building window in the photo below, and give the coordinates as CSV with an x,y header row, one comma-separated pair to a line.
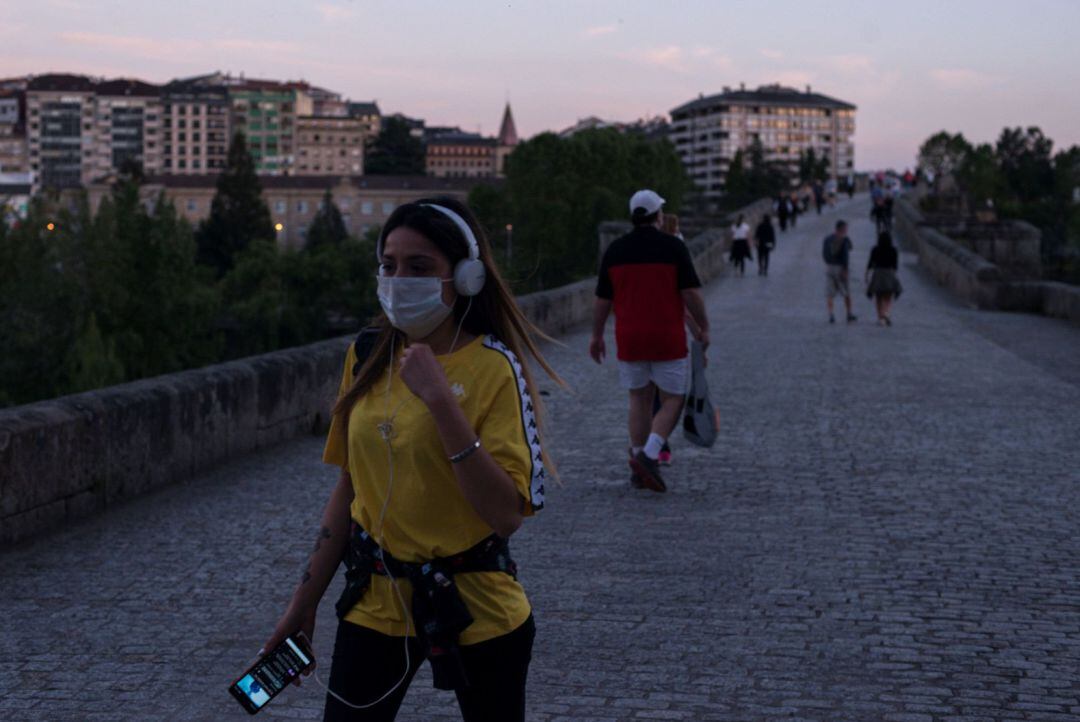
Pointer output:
x,y
192,205
279,206
367,208
387,208
301,206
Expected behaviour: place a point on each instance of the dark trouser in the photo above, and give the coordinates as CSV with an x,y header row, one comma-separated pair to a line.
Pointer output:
x,y
763,262
366,664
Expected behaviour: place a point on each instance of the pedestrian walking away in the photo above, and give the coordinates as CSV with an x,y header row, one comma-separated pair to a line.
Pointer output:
x,y
765,238
436,433
882,283
740,245
836,251
879,213
649,280
671,226
782,212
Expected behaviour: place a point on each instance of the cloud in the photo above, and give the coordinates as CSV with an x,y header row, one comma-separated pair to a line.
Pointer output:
x,y
247,44
600,30
678,59
333,13
772,54
669,57
853,64
961,78
142,46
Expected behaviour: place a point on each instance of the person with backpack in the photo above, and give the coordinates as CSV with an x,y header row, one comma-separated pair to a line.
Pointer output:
x,y
436,433
836,251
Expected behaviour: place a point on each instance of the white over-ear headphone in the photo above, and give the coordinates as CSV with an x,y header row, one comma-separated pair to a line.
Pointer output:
x,y
469,273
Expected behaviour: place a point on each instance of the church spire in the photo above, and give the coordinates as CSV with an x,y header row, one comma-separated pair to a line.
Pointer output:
x,y
507,131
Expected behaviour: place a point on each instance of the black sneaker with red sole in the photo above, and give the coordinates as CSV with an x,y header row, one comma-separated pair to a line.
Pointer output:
x,y
648,472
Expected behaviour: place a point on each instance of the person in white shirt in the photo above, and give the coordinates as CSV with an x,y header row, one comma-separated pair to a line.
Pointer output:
x,y
740,244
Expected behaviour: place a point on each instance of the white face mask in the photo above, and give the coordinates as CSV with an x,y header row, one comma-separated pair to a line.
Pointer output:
x,y
413,304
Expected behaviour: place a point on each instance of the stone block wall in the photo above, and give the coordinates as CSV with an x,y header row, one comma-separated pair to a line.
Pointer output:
x,y
71,456
974,278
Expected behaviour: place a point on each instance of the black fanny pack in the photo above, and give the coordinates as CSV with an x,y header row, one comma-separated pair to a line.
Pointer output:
x,y
439,613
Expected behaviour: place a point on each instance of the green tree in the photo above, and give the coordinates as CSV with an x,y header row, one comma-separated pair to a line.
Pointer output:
x,y
395,151
255,318
1067,195
812,168
1025,158
93,363
979,175
40,306
558,190
238,214
943,153
328,227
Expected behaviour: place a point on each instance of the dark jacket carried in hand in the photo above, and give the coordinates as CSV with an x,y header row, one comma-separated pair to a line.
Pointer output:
x,y
765,236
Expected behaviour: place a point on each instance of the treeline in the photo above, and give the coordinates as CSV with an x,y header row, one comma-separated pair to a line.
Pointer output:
x,y
1019,176
93,299
558,190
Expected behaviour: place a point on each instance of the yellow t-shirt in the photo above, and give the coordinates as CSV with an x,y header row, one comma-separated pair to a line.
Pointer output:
x,y
428,516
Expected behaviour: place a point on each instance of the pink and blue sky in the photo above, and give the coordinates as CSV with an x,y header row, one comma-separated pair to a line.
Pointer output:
x,y
912,67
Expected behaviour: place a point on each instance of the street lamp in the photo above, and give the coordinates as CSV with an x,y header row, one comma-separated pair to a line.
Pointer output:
x,y
278,227
509,242
50,226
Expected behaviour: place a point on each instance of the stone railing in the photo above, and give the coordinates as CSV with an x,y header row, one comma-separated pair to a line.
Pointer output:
x,y
975,279
70,457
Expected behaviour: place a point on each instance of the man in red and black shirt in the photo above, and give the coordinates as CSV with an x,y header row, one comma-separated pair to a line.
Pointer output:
x,y
649,279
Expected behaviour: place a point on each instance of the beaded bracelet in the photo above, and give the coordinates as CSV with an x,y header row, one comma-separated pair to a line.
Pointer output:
x,y
466,452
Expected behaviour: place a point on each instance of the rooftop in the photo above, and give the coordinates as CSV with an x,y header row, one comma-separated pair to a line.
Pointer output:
x,y
62,82
322,182
125,86
364,108
775,94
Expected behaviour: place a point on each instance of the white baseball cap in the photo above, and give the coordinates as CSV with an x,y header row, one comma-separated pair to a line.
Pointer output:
x,y
645,203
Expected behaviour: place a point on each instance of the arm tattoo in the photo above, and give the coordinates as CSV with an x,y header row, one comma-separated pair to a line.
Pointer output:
x,y
324,533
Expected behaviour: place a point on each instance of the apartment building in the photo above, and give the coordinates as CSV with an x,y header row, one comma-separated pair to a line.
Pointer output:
x,y
329,145
452,153
708,131
266,112
14,152
364,201
460,155
60,130
369,116
127,127
196,126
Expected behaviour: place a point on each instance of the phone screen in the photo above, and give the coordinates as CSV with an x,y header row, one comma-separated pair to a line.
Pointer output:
x,y
268,676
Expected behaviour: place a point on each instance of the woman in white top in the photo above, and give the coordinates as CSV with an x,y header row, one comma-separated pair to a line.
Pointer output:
x,y
740,244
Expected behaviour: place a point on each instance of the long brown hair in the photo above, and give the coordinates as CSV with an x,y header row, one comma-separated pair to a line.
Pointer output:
x,y
493,310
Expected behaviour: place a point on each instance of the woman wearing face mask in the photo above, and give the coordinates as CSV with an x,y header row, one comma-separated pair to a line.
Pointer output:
x,y
436,435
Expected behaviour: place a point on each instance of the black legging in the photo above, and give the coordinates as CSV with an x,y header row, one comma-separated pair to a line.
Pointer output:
x,y
367,663
763,262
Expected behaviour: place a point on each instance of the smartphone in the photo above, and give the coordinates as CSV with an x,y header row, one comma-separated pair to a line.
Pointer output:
x,y
273,672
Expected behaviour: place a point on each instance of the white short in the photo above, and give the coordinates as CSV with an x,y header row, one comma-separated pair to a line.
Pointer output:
x,y
669,376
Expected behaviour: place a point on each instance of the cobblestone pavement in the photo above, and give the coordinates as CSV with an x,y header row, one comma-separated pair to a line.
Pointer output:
x,y
886,530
